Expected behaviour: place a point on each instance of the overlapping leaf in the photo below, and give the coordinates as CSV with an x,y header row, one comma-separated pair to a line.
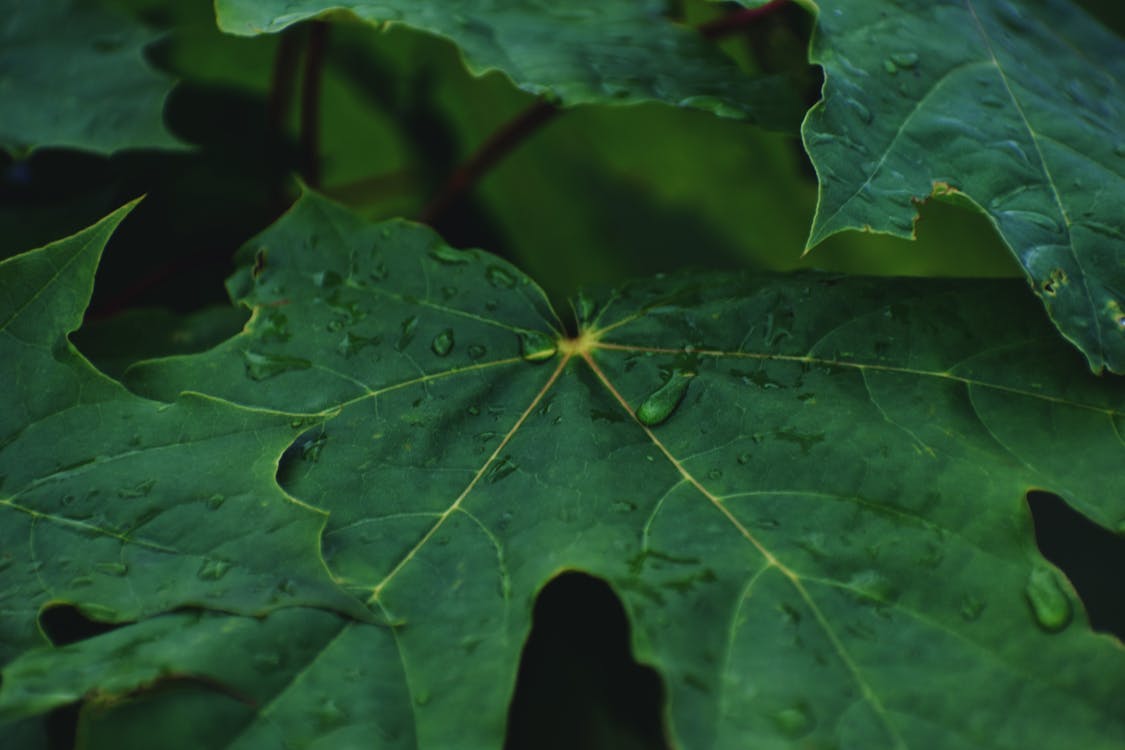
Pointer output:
x,y
1019,107
126,507
73,74
809,492
599,51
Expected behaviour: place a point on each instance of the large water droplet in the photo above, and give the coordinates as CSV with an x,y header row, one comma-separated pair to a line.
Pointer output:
x,y
213,570
116,569
140,489
536,346
262,366
905,59
450,256
660,404
327,279
409,327
1049,603
442,344
795,721
501,469
500,277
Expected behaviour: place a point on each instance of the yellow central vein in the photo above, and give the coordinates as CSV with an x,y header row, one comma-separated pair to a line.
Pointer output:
x,y
861,366
378,588
771,561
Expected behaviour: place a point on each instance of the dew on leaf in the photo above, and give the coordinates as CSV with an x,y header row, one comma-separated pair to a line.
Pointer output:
x,y
450,256
408,327
662,402
715,474
213,570
442,344
744,458
501,469
262,366
352,344
536,346
500,277
448,292
327,279
116,569
889,66
379,271
216,501
971,608
140,489
795,721
1049,603
422,697
329,714
860,109
476,351
905,59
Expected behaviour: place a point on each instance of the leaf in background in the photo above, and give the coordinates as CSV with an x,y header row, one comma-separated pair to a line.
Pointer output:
x,y
602,51
1018,108
817,523
73,74
125,507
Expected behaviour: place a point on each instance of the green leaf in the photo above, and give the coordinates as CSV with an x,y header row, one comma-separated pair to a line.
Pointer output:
x,y
1017,109
600,51
821,540
102,492
82,83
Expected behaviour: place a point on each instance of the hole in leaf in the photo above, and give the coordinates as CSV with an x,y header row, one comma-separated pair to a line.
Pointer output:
x,y
1092,558
578,685
64,624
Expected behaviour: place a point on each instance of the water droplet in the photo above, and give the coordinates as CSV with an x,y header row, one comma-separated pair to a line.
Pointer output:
x,y
422,697
213,570
501,469
450,256
476,351
140,489
796,721
660,404
1049,603
744,458
310,451
971,608
326,279
500,277
889,66
536,346
873,585
262,366
448,292
905,59
116,569
1119,149
715,474
443,343
409,326
266,663
860,109
216,501
274,326
351,344
329,714
379,271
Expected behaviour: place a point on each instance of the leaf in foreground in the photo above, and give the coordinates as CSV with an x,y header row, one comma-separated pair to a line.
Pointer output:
x,y
1018,108
815,519
580,52
74,74
126,507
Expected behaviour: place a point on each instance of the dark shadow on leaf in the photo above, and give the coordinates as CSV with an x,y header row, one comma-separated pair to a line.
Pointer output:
x,y
1092,557
64,624
578,684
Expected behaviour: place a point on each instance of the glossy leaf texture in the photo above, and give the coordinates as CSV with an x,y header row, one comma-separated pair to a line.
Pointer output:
x,y
103,494
807,490
583,52
1016,106
73,74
